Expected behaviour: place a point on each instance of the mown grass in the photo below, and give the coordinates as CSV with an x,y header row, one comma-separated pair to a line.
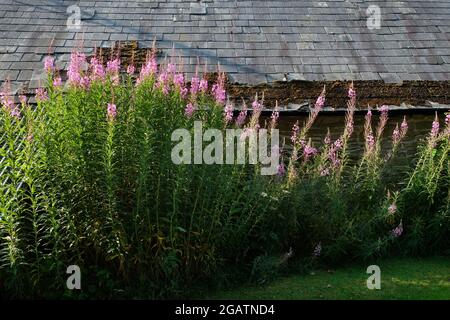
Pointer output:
x,y
402,279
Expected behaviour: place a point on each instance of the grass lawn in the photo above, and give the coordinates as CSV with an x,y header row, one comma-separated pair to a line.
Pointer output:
x,y
400,279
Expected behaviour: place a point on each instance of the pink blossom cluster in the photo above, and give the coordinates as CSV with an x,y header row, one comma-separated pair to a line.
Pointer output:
x,y
189,110
112,69
399,133
195,83
8,102
281,170
150,67
41,94
241,118
97,70
435,128
218,89
74,72
131,69
309,151
228,110
398,231
49,64
111,111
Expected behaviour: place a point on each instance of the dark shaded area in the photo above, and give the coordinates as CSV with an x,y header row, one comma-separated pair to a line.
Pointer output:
x,y
370,92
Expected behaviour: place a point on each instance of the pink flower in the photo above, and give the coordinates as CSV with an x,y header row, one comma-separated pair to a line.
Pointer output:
x,y
77,60
295,131
149,68
349,127
309,151
97,70
23,99
189,110
337,144
397,232
203,86
57,82
320,102
396,135
6,100
113,66
383,109
351,93
274,117
41,95
370,141
218,89
163,82
112,69
241,118
49,64
112,111
435,127
392,208
171,68
178,80
183,92
281,170
85,82
195,83
8,103
325,172
130,69
256,106
228,113
404,125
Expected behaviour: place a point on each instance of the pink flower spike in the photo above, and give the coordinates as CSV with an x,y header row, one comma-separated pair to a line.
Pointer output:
x,y
178,80
392,208
195,83
398,231
203,86
241,118
112,111
77,60
171,68
23,99
49,64
189,110
57,82
184,92
435,127
351,93
131,69
320,102
228,113
384,109
97,70
281,170
41,95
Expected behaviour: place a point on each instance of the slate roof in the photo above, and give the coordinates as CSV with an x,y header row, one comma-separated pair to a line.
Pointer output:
x,y
254,41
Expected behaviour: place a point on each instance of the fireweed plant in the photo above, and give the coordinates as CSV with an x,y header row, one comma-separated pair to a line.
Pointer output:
x,y
87,179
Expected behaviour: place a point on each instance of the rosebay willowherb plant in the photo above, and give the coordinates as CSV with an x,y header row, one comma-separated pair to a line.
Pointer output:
x,y
87,179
